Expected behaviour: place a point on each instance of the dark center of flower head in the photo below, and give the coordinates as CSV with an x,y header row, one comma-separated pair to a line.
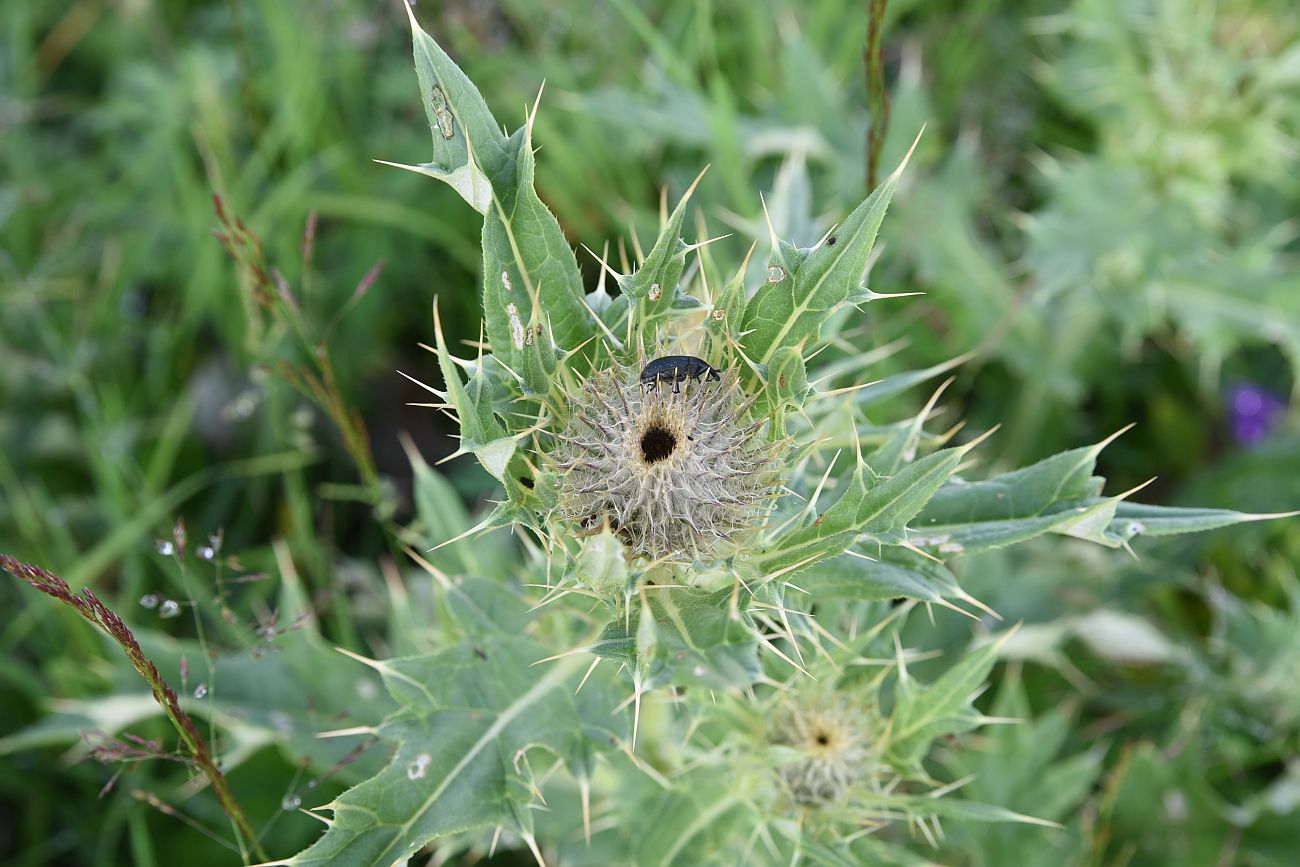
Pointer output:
x,y
657,443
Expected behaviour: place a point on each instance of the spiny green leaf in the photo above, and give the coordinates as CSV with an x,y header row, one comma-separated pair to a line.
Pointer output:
x,y
691,637
653,286
601,564
468,717
1018,769
893,573
872,508
540,356
727,315
483,607
529,272
1058,494
892,385
863,850
900,449
787,379
692,823
805,286
469,149
956,808
1132,519
480,432
442,514
925,712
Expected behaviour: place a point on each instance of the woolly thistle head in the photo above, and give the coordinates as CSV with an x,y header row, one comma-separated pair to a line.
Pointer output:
x,y
674,470
831,752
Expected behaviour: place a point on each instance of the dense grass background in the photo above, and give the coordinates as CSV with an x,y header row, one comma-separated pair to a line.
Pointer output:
x,y
1101,209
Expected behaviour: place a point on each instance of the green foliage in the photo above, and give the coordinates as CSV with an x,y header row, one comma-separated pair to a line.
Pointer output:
x,y
466,719
1019,767
1097,220
870,507
923,713
709,633
528,268
685,637
804,287
480,432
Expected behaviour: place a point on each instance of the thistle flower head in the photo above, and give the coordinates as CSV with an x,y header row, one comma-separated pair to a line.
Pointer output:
x,y
671,469
829,739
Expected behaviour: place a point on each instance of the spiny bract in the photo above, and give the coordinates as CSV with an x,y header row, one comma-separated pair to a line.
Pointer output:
x,y
672,474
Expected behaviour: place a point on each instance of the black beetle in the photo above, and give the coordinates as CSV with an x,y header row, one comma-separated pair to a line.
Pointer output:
x,y
677,369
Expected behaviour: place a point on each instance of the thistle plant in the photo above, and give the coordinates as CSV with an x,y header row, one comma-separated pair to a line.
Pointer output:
x,y
742,551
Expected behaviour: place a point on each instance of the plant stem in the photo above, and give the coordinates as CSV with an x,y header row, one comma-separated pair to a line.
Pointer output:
x,y
90,607
877,95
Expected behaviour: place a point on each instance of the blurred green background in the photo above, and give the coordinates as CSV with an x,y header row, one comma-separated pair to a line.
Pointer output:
x,y
1102,210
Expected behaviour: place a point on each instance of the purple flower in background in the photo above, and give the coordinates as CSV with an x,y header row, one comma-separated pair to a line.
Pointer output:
x,y
1253,411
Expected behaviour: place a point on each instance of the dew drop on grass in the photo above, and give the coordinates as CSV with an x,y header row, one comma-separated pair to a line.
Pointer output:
x,y
206,552
291,802
201,691
150,600
169,609
775,273
165,547
1134,527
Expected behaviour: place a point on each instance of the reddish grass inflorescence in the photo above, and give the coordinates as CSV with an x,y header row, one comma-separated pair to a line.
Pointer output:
x,y
89,606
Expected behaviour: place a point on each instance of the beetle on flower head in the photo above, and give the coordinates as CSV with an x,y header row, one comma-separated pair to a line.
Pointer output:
x,y
677,369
